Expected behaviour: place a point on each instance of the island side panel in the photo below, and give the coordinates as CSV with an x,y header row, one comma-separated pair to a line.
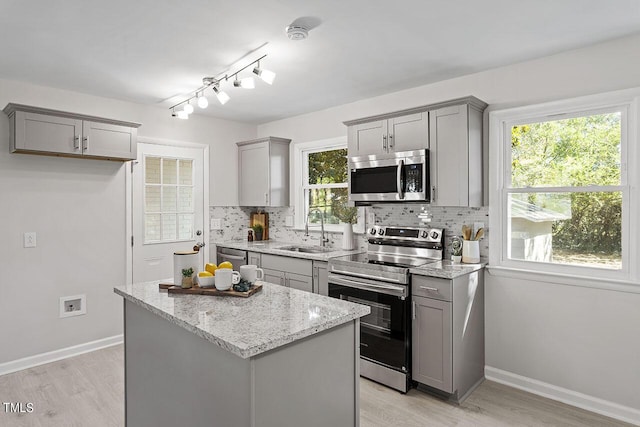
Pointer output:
x,y
313,382
175,378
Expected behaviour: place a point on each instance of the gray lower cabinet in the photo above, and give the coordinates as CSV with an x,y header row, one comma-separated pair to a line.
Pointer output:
x,y
254,258
50,132
320,278
288,271
448,333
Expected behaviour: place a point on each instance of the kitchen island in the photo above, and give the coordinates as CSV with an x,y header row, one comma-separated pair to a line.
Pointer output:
x,y
281,357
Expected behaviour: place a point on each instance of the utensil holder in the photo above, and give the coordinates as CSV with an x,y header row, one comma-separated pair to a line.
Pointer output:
x,y
471,251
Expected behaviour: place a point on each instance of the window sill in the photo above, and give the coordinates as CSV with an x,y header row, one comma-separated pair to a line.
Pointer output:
x,y
565,279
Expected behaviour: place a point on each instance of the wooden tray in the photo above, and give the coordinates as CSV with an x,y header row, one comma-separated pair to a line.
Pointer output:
x,y
197,290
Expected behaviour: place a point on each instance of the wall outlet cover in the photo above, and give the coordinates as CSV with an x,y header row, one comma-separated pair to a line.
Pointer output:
x,y
288,221
216,224
75,305
30,239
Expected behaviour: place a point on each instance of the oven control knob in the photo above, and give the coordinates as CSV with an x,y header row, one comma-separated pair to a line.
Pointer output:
x,y
381,231
372,231
434,234
424,234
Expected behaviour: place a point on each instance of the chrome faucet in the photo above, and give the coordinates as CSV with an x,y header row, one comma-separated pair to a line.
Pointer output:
x,y
323,240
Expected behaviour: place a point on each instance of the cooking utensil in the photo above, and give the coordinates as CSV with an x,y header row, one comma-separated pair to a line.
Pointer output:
x,y
479,234
466,232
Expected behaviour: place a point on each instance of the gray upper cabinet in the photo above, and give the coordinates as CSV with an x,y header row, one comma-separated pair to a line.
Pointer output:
x,y
50,132
263,172
388,134
451,130
455,149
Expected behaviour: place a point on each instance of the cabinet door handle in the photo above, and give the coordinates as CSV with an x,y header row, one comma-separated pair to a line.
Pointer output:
x,y
266,198
428,288
390,141
282,281
76,142
413,310
85,142
433,193
384,142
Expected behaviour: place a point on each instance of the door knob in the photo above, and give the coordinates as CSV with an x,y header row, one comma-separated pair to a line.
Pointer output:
x,y
198,232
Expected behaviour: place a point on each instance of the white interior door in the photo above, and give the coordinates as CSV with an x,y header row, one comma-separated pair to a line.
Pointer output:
x,y
168,208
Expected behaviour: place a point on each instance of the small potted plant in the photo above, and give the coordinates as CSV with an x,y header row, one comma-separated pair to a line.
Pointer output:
x,y
187,278
456,249
257,231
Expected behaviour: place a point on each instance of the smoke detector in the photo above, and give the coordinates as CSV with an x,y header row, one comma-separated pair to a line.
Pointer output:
x,y
297,32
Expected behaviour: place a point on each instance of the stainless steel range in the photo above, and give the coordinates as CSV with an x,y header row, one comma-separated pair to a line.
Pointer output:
x,y
379,278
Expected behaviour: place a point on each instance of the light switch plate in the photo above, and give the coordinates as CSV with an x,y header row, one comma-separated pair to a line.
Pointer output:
x,y
30,239
216,224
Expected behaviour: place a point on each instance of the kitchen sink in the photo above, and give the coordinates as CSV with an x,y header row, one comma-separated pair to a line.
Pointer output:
x,y
306,249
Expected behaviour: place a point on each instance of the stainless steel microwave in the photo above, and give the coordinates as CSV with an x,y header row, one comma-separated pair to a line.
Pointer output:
x,y
393,177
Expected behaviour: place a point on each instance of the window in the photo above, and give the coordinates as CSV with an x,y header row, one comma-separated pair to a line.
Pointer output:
x,y
168,199
563,200
322,172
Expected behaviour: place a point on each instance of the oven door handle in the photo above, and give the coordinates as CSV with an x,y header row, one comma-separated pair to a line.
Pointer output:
x,y
399,183
364,276
399,291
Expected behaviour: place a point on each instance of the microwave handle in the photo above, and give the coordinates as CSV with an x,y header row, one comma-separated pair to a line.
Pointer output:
x,y
399,180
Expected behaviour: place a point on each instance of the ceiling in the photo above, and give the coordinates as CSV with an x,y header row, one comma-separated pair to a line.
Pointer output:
x,y
157,52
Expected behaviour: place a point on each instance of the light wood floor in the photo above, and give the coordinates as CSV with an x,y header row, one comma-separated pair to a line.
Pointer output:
x,y
88,390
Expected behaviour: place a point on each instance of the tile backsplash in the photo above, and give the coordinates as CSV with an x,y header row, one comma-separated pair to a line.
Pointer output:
x,y
235,223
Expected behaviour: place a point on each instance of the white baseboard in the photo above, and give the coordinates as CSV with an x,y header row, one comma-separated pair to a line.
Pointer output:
x,y
63,353
570,397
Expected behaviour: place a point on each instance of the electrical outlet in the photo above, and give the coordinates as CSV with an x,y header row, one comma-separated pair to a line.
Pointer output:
x,y
371,217
216,224
288,221
73,305
30,239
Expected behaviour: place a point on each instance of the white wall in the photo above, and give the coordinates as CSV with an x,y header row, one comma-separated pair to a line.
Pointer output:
x,y
576,338
77,209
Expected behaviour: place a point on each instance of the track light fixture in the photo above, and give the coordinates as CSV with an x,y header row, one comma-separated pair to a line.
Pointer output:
x,y
203,102
221,95
246,83
214,84
266,75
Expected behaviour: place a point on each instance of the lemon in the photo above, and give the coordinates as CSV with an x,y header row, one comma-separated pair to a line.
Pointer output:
x,y
225,264
211,268
205,274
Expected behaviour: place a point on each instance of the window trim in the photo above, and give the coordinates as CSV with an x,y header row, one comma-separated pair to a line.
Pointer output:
x,y
300,150
500,181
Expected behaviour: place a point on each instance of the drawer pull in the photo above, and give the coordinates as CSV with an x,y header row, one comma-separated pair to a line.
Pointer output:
x,y
427,288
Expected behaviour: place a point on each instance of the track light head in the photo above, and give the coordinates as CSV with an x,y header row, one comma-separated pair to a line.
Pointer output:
x,y
203,102
182,115
221,95
188,108
265,75
245,83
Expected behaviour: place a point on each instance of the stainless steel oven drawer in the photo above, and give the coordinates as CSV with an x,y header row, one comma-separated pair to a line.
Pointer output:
x,y
431,287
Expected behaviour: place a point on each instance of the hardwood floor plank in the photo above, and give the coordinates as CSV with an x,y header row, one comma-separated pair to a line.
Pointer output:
x,y
88,390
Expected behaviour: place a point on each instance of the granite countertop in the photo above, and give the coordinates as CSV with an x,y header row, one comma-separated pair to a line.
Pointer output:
x,y
249,326
446,269
271,247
